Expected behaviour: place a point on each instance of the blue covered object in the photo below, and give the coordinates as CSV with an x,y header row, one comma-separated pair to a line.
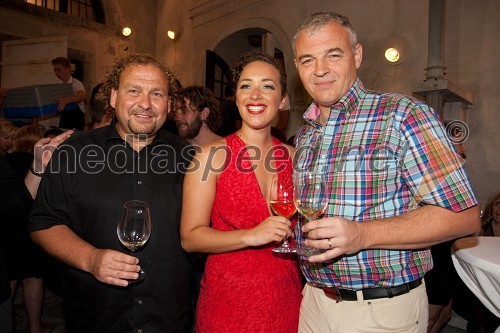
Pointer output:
x,y
36,101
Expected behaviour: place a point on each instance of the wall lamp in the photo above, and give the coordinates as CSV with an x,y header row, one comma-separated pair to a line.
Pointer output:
x,y
171,34
392,54
396,50
126,31
174,32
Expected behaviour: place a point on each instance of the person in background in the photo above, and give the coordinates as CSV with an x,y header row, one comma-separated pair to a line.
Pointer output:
x,y
7,130
52,132
3,94
73,118
490,219
175,103
281,119
231,118
98,115
5,293
395,185
100,120
440,284
141,162
199,118
25,260
441,280
225,214
280,122
17,195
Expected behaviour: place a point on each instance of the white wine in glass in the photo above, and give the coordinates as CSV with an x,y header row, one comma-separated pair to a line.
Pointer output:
x,y
311,201
134,228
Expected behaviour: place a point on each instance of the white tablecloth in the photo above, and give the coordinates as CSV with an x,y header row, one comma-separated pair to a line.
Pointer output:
x,y
477,261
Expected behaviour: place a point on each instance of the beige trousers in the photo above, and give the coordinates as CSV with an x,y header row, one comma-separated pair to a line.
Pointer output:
x,y
407,313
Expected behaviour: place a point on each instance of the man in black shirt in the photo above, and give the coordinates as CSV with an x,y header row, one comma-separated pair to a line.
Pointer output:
x,y
80,201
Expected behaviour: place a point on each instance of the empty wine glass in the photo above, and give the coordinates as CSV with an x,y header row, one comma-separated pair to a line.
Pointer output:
x,y
311,201
134,228
281,203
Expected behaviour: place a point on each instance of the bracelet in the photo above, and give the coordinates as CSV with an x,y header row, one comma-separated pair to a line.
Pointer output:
x,y
38,174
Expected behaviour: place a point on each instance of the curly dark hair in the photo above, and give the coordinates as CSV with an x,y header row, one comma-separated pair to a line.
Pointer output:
x,y
248,58
201,97
112,79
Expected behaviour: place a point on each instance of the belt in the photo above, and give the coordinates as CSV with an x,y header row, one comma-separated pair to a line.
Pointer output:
x,y
371,293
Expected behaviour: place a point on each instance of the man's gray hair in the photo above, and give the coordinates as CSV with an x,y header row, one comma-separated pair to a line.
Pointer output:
x,y
318,20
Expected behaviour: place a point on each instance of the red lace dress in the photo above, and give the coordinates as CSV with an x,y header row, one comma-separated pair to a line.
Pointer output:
x,y
253,289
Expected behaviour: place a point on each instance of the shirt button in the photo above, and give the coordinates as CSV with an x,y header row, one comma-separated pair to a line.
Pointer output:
x,y
139,182
140,302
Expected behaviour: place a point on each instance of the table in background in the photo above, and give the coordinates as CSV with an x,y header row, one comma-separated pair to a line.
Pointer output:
x,y
477,261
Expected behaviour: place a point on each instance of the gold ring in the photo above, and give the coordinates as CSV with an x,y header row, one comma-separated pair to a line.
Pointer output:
x,y
330,246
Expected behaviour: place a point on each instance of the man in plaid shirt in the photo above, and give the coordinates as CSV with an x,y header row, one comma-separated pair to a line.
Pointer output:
x,y
395,185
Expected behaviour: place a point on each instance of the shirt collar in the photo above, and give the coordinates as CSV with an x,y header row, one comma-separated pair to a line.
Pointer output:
x,y
112,134
348,102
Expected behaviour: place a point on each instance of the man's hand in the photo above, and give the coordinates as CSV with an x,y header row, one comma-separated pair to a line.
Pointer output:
x,y
61,103
113,267
337,235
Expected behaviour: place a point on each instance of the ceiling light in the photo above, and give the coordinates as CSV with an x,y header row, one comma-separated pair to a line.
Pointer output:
x,y
171,34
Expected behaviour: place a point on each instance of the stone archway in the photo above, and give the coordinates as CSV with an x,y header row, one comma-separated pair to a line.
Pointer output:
x,y
220,30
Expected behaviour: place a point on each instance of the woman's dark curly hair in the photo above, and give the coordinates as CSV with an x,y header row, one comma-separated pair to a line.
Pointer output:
x,y
248,58
201,97
112,79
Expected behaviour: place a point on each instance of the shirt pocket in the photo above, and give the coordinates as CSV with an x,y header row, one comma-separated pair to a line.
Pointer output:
x,y
365,185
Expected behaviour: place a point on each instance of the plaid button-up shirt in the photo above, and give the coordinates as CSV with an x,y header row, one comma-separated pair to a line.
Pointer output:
x,y
382,155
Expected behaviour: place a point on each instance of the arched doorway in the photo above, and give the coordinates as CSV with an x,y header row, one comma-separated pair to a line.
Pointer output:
x,y
221,59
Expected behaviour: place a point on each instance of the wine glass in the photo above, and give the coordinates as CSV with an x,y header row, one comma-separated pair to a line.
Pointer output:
x,y
134,228
310,199
281,203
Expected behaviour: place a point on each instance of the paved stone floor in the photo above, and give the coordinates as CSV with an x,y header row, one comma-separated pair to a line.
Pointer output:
x,y
52,312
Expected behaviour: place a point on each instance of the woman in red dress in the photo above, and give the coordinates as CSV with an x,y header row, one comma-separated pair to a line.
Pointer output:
x,y
246,287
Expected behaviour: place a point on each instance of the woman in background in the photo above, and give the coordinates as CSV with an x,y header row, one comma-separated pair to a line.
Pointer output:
x,y
7,130
25,260
490,220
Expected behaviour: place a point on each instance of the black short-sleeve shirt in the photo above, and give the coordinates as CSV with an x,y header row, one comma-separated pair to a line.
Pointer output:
x,y
84,187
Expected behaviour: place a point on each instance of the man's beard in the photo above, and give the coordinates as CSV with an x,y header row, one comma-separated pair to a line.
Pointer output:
x,y
192,130
138,127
